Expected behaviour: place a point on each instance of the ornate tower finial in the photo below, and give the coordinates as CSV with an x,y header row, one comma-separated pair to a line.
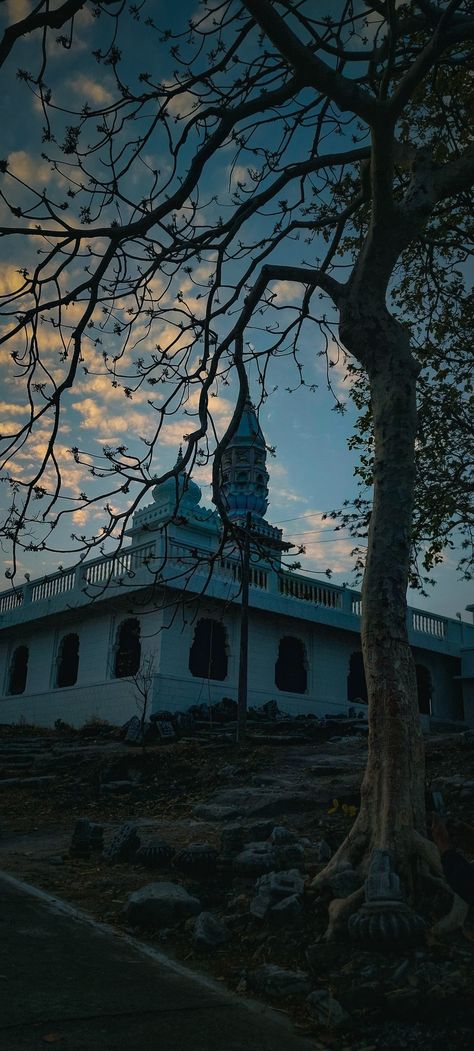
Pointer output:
x,y
244,483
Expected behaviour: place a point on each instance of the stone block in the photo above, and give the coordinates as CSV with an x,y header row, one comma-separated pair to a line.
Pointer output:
x,y
161,905
326,1010
255,859
209,932
278,982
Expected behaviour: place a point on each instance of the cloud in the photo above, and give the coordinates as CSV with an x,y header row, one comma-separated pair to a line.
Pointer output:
x,y
287,291
11,280
91,91
101,386
111,427
238,173
28,168
8,409
286,496
184,103
325,549
18,9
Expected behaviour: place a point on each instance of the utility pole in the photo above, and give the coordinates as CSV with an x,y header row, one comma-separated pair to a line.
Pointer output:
x,y
244,632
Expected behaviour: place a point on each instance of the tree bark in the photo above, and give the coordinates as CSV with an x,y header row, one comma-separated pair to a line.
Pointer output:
x,y
392,811
392,796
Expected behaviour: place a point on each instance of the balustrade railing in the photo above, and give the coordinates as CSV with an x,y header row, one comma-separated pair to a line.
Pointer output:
x,y
308,591
127,563
11,600
428,624
115,567
231,567
51,586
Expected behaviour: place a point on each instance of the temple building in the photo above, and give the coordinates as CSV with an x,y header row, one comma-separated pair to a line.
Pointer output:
x,y
71,642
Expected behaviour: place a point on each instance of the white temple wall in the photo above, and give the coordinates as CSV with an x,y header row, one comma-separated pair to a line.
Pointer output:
x,y
446,692
327,653
98,694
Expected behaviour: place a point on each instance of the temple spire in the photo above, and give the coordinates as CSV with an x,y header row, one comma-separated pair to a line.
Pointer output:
x,y
244,475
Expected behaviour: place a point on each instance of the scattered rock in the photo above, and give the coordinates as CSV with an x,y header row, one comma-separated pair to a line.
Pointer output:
x,y
344,881
134,732
154,855
288,910
274,889
255,859
290,854
209,932
87,836
322,851
161,905
326,1010
232,839
267,802
280,836
212,812
257,831
276,981
124,845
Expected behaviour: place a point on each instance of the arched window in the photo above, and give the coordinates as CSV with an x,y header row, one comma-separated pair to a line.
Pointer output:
x,y
18,671
356,684
423,685
291,667
208,653
68,660
127,648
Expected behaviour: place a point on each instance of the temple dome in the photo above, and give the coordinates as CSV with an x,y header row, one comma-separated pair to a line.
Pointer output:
x,y
178,489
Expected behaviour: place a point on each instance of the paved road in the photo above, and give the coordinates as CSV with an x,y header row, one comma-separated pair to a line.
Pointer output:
x,y
67,984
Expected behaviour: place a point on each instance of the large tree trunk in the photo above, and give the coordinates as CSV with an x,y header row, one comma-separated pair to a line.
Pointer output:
x,y
392,811
392,799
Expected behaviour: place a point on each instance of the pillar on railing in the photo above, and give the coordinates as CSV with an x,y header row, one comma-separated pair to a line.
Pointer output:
x,y
80,576
272,582
347,597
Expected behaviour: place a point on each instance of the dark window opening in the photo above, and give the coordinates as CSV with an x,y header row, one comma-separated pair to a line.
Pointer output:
x,y
18,671
68,660
423,684
128,649
291,670
356,684
208,654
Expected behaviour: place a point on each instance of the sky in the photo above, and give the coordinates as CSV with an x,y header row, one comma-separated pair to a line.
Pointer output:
x,y
312,471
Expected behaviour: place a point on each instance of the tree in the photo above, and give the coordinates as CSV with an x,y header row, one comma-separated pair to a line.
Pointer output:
x,y
346,129
142,682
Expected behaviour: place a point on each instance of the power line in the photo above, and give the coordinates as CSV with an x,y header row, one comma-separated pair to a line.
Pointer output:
x,y
312,543
314,532
310,514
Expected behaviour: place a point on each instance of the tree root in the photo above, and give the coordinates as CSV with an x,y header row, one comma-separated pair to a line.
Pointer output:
x,y
454,920
354,850
339,910
351,850
427,852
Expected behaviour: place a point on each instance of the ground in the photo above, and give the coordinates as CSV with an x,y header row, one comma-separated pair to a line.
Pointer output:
x,y
287,776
